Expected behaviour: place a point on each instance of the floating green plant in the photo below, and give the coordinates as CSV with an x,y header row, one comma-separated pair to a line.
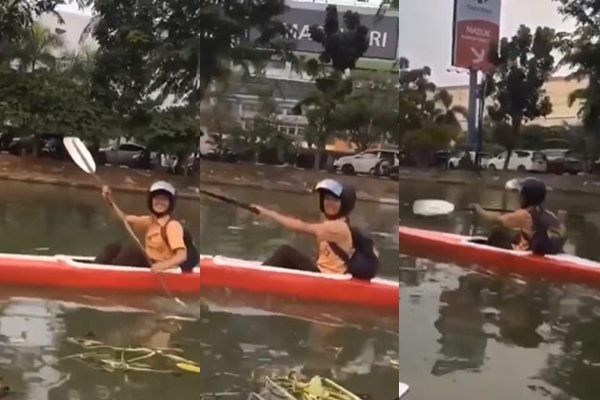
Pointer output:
x,y
99,355
317,388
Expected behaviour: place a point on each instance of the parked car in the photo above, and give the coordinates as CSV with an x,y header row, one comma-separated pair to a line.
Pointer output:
x,y
561,161
520,160
130,154
388,165
365,162
48,145
455,161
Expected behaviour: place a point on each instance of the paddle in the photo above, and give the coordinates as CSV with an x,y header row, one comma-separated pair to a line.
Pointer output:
x,y
230,200
433,208
84,160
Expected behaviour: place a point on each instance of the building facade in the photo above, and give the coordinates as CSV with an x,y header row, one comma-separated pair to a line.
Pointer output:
x,y
557,88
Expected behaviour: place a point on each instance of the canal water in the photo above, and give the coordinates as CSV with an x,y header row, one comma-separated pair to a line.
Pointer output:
x,y
467,334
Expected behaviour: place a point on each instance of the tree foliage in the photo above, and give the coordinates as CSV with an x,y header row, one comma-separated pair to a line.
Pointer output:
x,y
178,47
581,52
523,64
17,17
416,103
341,49
369,115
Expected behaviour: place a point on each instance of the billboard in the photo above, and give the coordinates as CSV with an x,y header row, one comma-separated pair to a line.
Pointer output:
x,y
476,28
383,32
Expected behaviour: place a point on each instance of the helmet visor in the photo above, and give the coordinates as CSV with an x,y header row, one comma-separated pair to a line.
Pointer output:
x,y
330,185
162,186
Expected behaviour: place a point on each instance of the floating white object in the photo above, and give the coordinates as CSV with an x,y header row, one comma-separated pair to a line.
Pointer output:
x,y
431,208
513,184
402,389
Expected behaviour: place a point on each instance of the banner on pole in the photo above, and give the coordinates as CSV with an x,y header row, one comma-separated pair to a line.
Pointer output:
x,y
476,28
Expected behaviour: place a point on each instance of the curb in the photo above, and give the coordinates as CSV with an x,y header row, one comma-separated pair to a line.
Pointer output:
x,y
182,194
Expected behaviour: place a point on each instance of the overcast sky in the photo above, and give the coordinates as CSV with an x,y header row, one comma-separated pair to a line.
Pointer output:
x,y
426,31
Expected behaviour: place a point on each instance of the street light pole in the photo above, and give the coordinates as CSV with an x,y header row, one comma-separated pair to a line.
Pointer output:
x,y
472,116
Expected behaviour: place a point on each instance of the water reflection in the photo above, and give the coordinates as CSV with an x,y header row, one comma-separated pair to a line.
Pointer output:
x,y
246,344
494,336
33,347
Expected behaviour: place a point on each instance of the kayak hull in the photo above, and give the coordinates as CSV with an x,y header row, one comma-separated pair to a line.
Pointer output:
x,y
460,249
79,273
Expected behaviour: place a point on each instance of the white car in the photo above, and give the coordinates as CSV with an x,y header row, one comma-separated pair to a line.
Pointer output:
x,y
454,162
520,160
365,162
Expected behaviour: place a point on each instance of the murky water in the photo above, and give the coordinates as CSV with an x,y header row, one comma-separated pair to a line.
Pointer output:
x,y
466,334
248,336
35,324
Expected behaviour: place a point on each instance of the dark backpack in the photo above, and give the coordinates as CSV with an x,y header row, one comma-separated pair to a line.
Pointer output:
x,y
546,238
364,263
193,256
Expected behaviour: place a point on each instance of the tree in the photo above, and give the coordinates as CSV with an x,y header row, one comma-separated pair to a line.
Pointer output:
x,y
265,127
341,47
448,115
369,116
341,50
423,142
164,40
172,131
17,17
415,101
320,108
581,50
50,102
524,64
37,48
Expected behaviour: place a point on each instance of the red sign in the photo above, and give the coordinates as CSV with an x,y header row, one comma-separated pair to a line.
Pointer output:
x,y
476,29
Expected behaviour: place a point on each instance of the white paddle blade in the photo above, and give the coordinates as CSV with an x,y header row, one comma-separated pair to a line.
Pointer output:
x,y
402,389
430,208
80,154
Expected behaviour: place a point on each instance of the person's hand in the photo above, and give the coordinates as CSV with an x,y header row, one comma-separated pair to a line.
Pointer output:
x,y
159,267
561,216
476,208
259,210
107,194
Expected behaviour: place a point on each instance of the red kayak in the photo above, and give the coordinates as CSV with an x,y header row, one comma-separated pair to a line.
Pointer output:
x,y
460,249
80,273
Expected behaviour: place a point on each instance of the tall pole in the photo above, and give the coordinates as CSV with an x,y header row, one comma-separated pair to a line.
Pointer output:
x,y
472,117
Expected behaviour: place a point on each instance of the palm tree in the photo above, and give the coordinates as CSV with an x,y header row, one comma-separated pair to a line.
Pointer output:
x,y
36,49
448,115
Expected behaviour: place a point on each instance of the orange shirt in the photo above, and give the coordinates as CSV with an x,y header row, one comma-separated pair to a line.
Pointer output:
x,y
336,231
156,247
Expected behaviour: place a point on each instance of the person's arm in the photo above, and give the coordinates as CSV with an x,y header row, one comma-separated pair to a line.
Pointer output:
x,y
174,262
491,218
293,224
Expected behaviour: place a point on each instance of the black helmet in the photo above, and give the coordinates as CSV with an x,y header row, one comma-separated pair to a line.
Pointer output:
x,y
533,192
345,192
162,187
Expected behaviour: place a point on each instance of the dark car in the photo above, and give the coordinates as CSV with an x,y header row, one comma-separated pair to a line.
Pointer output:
x,y
48,145
562,161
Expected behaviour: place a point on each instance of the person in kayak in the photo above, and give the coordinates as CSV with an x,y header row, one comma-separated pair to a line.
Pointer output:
x,y
532,227
167,244
336,202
